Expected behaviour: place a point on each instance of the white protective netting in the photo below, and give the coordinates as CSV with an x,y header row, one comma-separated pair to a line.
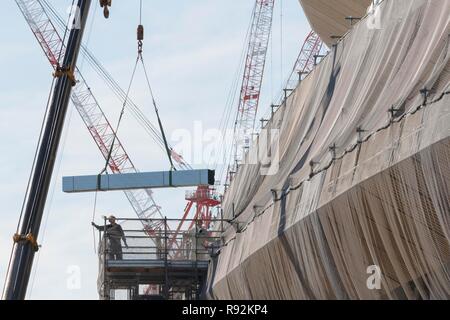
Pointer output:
x,y
380,196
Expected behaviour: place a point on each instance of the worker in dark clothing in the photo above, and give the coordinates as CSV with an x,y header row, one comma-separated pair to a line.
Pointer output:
x,y
160,252
197,240
114,233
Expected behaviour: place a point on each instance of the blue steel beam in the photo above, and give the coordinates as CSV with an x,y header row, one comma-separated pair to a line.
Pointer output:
x,y
140,180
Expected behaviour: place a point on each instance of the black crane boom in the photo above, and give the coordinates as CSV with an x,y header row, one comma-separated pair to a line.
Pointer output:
x,y
25,242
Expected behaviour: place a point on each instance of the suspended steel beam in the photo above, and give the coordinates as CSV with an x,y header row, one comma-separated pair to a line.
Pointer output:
x,y
36,13
141,180
25,243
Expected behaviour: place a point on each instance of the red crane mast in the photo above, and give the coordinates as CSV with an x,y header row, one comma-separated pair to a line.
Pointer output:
x,y
255,62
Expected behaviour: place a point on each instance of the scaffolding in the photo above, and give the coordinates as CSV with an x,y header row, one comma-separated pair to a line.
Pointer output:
x,y
149,269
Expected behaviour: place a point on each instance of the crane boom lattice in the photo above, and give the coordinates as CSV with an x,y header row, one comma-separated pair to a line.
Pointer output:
x,y
94,118
253,76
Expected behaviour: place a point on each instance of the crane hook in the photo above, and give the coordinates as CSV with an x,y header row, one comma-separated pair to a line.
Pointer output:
x,y
105,4
140,37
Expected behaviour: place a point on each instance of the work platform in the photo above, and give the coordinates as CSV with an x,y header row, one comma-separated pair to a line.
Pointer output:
x,y
157,264
128,274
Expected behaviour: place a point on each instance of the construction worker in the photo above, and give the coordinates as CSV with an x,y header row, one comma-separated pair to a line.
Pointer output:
x,y
202,235
160,252
114,233
187,246
197,237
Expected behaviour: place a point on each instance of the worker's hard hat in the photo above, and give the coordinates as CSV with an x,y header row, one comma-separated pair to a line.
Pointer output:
x,y
111,217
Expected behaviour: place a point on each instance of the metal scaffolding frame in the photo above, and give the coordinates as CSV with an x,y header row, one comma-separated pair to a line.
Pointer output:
x,y
152,269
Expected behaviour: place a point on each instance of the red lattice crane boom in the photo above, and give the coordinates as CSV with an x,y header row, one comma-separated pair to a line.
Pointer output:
x,y
90,111
255,61
307,57
142,201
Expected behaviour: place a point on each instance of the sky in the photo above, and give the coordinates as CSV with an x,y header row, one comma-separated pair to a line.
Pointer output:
x,y
192,50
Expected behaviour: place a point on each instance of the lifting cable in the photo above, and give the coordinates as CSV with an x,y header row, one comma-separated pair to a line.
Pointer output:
x,y
140,58
94,211
110,82
168,150
111,149
140,38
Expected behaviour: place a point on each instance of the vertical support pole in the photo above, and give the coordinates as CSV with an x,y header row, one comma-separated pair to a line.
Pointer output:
x,y
166,265
197,287
24,250
106,290
221,220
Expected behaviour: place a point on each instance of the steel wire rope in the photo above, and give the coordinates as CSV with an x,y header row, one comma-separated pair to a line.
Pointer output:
x,y
105,169
231,100
140,36
168,150
113,85
138,59
227,111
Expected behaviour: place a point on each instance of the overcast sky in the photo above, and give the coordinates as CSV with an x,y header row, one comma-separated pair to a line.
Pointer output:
x,y
192,49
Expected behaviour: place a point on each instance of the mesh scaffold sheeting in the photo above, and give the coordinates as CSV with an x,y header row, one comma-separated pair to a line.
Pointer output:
x,y
363,182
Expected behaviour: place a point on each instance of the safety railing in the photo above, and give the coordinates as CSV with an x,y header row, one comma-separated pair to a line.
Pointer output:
x,y
135,243
201,194
125,245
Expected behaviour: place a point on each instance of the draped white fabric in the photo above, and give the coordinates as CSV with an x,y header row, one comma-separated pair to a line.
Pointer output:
x,y
358,185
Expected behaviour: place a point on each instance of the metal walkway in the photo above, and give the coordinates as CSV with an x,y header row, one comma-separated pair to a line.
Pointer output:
x,y
152,267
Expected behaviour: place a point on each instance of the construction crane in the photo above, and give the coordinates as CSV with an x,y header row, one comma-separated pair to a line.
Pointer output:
x,y
248,104
36,13
25,240
307,58
100,128
118,161
63,57
255,61
306,61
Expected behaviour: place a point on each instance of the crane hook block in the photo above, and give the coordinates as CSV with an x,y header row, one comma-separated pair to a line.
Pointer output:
x,y
140,32
105,4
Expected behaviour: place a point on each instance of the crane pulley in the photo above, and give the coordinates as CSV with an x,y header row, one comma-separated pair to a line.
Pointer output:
x,y
105,4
